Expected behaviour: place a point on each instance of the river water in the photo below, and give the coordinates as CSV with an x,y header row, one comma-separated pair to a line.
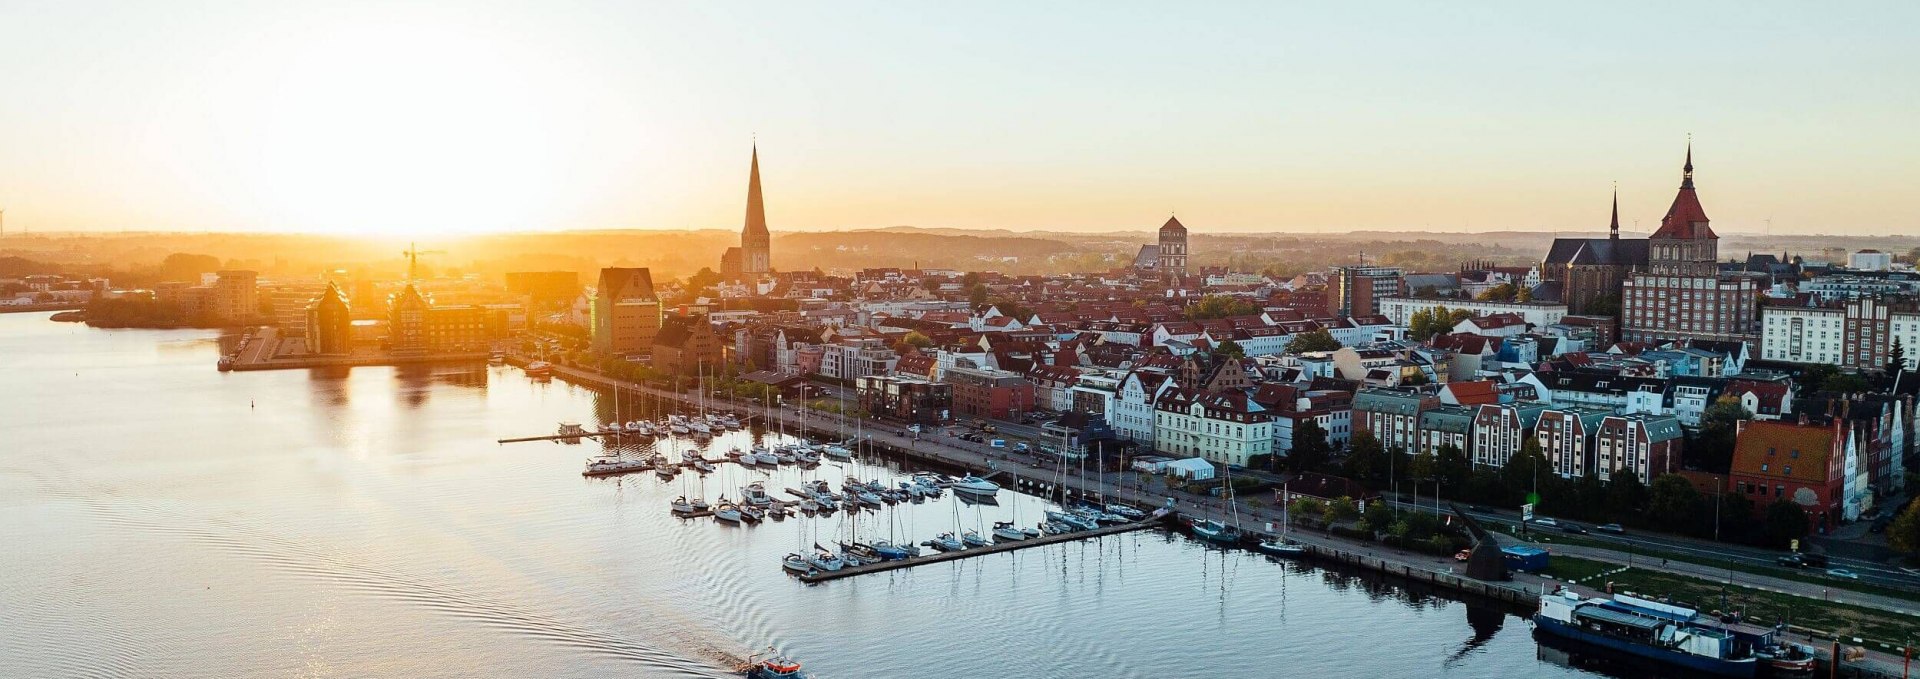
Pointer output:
x,y
160,518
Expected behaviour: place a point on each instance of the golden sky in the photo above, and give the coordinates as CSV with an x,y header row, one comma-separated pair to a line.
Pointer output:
x,y
424,118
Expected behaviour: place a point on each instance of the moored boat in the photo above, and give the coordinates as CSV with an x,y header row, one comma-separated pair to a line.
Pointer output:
x,y
1665,633
1215,531
615,467
974,485
775,667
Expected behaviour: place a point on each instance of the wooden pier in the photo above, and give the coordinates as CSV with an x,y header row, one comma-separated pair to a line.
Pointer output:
x,y
995,548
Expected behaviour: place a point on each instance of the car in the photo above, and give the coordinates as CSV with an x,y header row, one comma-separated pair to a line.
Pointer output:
x,y
1791,561
1463,555
1550,523
1910,571
1842,573
1483,509
1813,559
1613,528
1021,447
1573,528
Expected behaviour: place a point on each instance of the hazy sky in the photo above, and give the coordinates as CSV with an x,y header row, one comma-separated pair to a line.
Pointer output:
x,y
416,118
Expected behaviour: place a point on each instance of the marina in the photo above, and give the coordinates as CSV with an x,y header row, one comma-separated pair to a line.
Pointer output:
x,y
507,561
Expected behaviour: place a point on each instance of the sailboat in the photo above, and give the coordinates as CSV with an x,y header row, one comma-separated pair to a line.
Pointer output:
x,y
1215,531
1282,546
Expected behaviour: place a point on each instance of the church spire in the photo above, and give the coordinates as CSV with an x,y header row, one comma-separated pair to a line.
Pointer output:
x,y
1686,171
756,210
1613,227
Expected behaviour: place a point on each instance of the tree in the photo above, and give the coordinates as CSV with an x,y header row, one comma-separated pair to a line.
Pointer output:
x,y
1786,522
916,339
1453,470
1674,503
1712,447
977,296
1896,358
1604,305
1421,467
1904,534
185,266
1316,340
1847,383
1814,379
1523,295
1526,470
1499,293
1221,306
1310,448
1366,459
1626,497
1341,509
1230,349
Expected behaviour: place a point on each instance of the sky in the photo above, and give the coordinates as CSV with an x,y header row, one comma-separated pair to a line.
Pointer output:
x,y
421,118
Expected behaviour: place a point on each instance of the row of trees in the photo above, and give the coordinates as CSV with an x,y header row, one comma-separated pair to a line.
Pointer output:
x,y
1672,503
1426,324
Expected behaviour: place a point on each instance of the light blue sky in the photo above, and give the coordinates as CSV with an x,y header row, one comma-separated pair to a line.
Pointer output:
x,y
422,117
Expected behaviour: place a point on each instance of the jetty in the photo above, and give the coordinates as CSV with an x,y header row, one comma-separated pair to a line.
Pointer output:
x,y
816,576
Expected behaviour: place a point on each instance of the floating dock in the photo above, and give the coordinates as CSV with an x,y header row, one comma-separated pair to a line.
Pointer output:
x,y
995,548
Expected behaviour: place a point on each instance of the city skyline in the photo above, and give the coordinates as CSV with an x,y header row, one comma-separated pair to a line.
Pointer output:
x,y
429,120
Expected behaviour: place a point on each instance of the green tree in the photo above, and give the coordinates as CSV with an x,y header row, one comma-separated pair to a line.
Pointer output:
x,y
1786,522
1523,294
1848,383
1626,497
1310,452
1220,306
1604,305
977,296
1814,379
1421,467
1366,460
1712,445
1341,509
916,339
1230,349
1674,503
1453,470
1315,340
1499,293
1896,358
1904,534
1526,471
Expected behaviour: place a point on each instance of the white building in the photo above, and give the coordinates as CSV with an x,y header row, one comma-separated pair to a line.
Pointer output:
x,y
1223,427
1131,413
1400,310
1857,335
1870,260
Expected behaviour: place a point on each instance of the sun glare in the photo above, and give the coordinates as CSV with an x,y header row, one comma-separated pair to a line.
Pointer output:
x,y
408,128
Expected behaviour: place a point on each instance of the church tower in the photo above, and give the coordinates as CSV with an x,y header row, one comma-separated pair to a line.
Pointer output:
x,y
756,247
1684,245
1172,263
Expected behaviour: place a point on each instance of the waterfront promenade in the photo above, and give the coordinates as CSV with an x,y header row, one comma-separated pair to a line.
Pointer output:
x,y
1142,491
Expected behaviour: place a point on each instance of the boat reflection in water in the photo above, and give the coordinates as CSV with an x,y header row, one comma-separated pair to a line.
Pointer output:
x,y
1587,657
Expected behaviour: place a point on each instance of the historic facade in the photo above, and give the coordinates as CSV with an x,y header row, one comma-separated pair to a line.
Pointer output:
x,y
1590,270
1682,294
1172,254
756,246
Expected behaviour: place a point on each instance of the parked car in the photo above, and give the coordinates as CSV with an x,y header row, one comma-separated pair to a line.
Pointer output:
x,y
1550,523
1843,573
1463,555
1613,528
1573,528
1791,561
1021,447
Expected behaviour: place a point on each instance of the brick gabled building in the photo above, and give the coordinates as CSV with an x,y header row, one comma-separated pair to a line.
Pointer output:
x,y
1810,465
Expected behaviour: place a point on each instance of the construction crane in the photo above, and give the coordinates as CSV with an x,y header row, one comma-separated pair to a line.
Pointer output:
x,y
412,253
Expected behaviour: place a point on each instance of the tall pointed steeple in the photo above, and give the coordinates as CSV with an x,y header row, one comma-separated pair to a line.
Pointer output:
x,y
756,246
1613,227
1686,171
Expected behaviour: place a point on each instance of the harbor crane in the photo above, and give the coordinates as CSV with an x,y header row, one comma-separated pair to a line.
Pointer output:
x,y
412,253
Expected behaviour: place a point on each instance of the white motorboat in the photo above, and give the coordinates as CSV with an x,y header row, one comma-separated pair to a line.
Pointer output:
x,y
1076,521
752,514
703,466
756,494
615,467
975,485
838,452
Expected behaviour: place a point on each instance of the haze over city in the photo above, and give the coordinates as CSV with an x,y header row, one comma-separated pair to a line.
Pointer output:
x,y
992,340
440,117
